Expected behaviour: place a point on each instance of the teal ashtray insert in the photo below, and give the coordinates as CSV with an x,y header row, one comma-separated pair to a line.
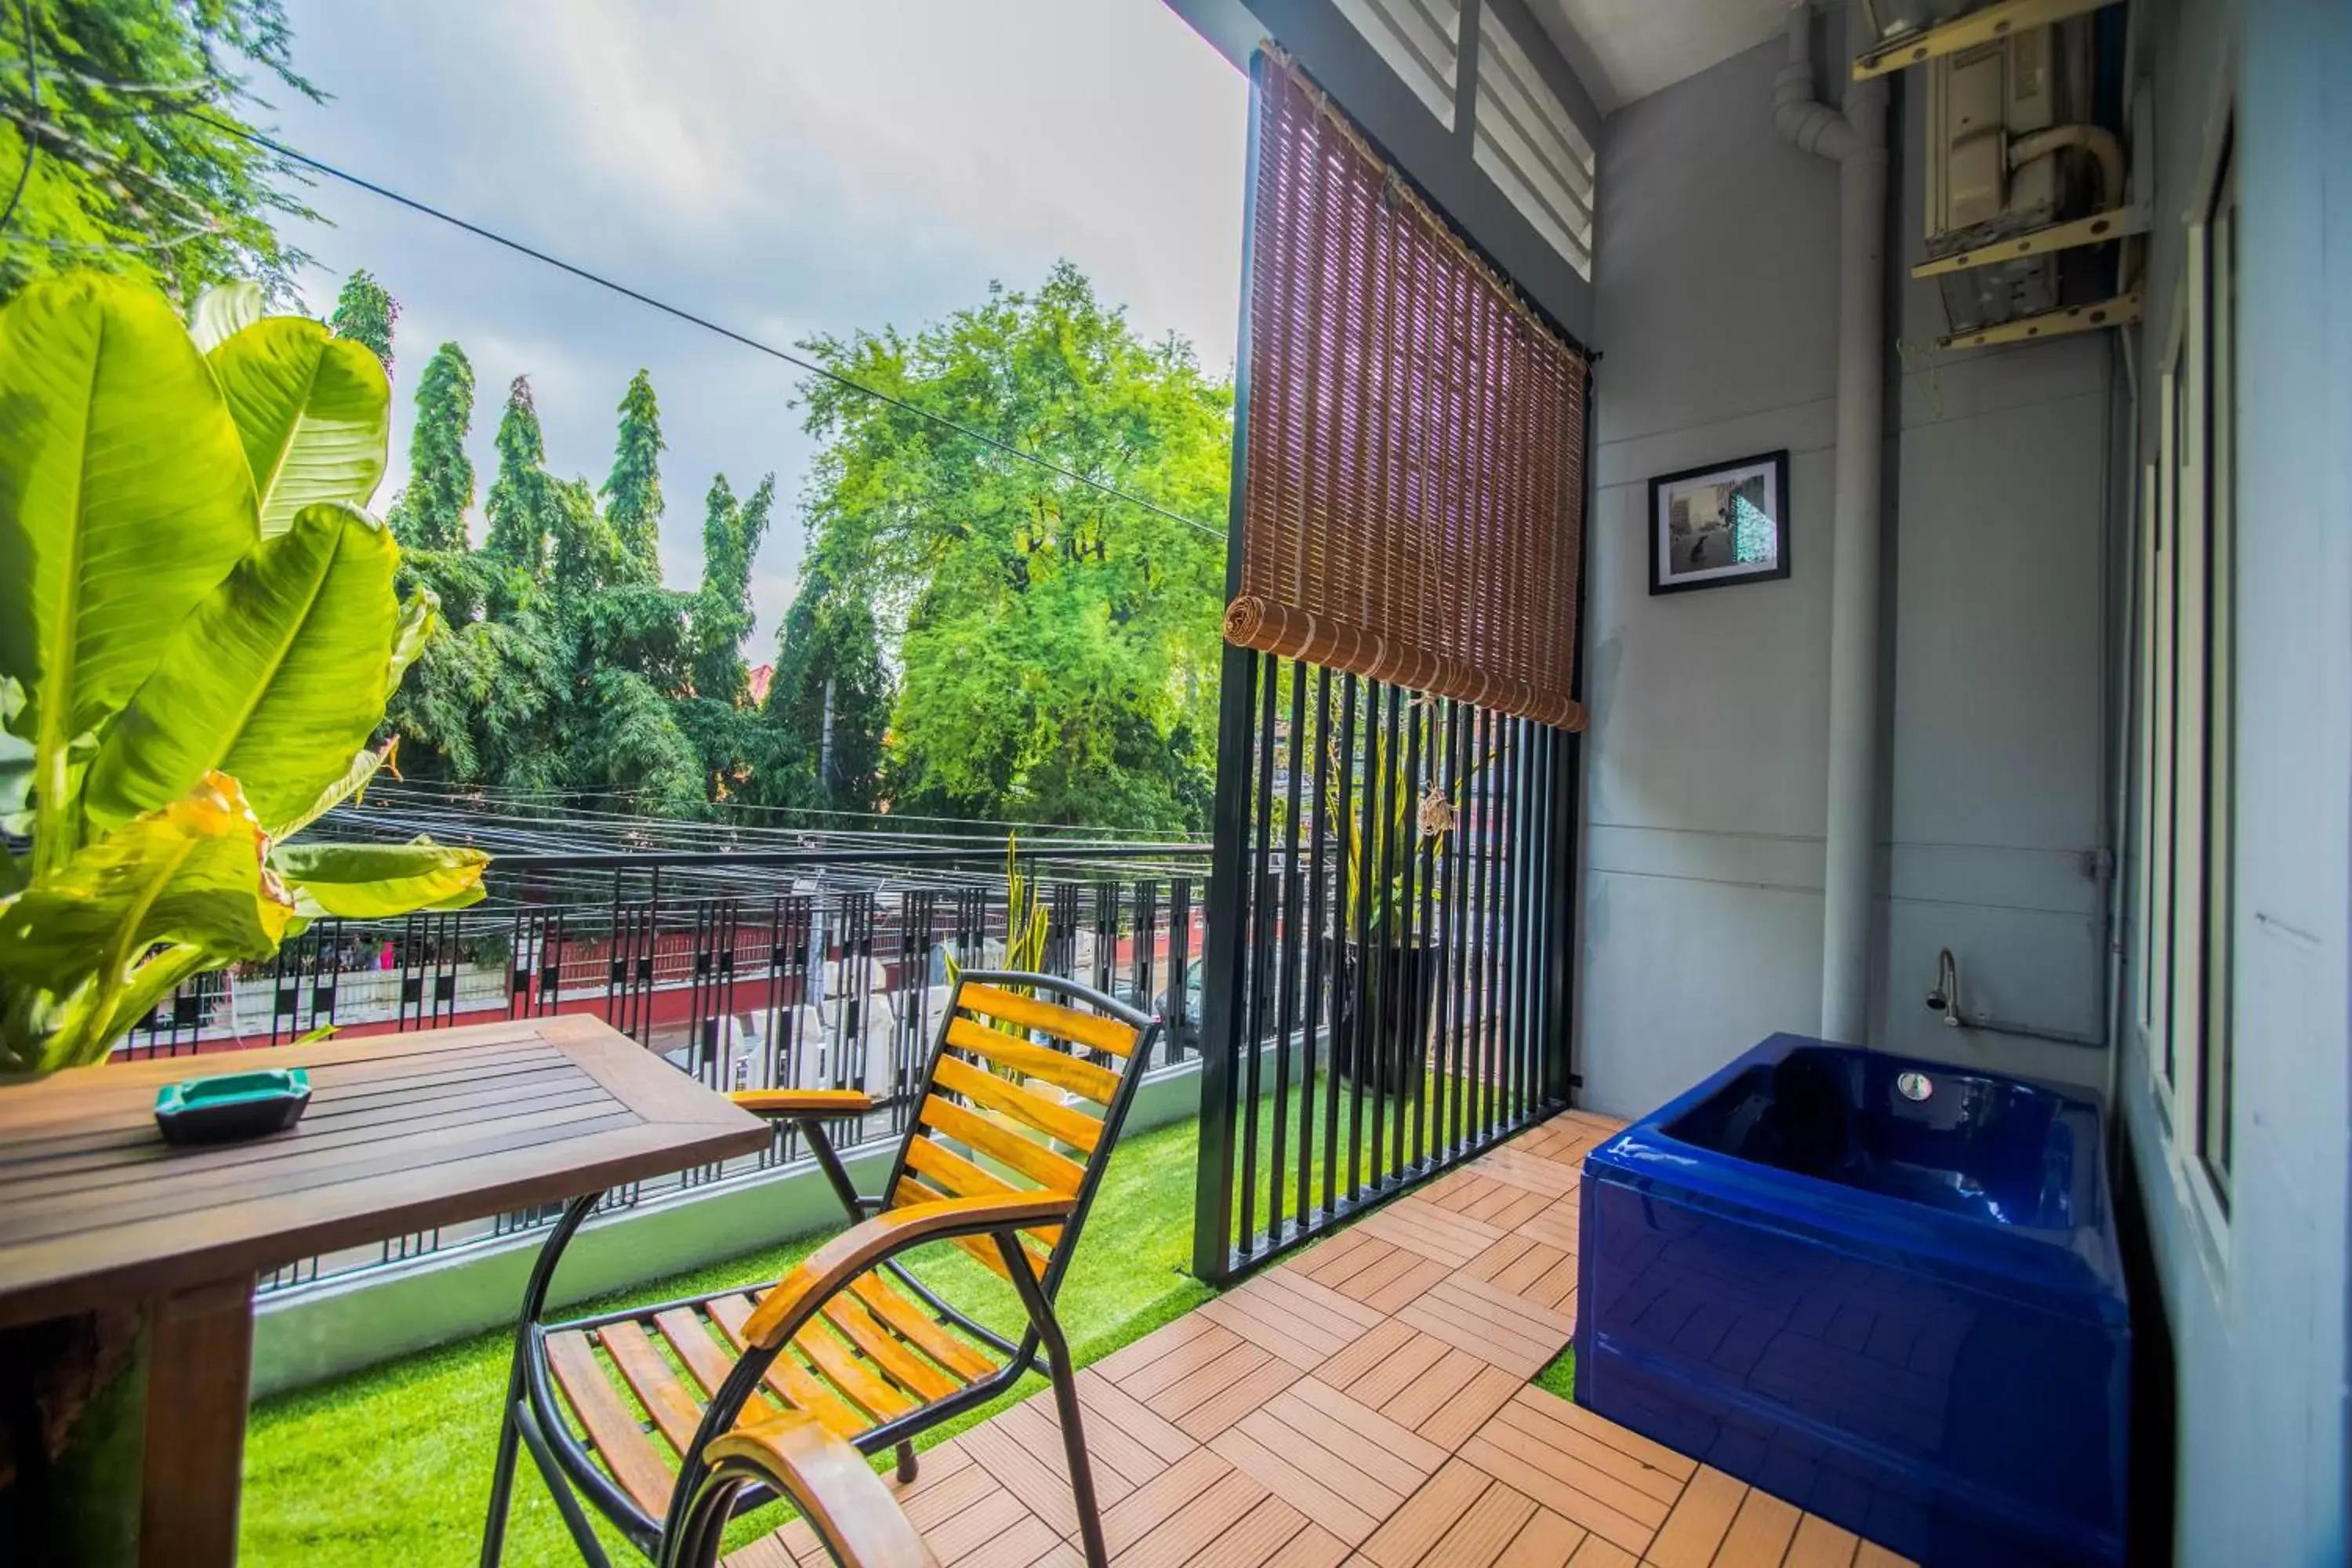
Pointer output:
x,y
233,1106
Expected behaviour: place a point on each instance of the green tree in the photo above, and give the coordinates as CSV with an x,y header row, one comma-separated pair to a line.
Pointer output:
x,y
366,313
829,702
109,171
1058,648
430,514
518,502
632,492
723,609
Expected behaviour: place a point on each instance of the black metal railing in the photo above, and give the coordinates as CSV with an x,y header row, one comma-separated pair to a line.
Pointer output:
x,y
1388,918
794,968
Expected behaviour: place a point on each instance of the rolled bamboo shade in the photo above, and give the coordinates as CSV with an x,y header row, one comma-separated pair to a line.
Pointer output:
x,y
1413,485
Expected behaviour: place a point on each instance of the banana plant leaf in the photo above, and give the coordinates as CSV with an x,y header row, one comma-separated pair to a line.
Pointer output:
x,y
313,411
276,678
352,784
124,500
222,311
376,881
189,877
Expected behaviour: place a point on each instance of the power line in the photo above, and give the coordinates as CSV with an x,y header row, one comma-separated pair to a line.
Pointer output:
x,y
707,325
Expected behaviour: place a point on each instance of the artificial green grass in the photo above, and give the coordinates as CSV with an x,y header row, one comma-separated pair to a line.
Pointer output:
x,y
1560,1377
392,1465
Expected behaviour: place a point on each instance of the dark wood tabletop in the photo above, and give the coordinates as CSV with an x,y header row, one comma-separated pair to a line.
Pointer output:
x,y
404,1133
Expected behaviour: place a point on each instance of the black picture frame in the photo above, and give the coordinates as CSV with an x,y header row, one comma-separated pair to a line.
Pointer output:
x,y
1668,575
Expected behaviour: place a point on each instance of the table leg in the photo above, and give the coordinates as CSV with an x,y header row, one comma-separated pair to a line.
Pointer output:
x,y
200,1362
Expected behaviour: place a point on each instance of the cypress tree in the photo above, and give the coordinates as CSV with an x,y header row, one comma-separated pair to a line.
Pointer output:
x,y
367,312
633,497
431,512
518,500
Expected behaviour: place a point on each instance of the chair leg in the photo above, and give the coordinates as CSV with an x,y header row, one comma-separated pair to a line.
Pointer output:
x,y
1074,1444
502,1473
906,1464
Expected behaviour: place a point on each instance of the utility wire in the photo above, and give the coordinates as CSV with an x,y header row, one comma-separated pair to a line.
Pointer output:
x,y
1113,492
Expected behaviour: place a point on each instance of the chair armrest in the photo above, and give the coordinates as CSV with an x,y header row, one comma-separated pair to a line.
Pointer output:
x,y
791,1300
804,1102
831,1483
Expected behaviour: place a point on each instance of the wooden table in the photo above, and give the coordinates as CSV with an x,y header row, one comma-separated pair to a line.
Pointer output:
x,y
404,1133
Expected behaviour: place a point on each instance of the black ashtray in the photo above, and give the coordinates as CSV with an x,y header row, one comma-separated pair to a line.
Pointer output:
x,y
234,1106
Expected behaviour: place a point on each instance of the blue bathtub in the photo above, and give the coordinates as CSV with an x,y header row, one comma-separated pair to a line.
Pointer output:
x,y
1885,1289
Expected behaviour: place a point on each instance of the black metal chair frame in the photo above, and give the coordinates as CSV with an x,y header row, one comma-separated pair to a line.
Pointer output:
x,y
533,1413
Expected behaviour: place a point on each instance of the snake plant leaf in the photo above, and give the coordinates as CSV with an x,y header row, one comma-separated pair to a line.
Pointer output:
x,y
189,875
124,500
313,411
276,678
377,881
222,311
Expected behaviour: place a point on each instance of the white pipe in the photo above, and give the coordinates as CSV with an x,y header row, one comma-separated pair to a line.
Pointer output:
x,y
2105,147
1856,140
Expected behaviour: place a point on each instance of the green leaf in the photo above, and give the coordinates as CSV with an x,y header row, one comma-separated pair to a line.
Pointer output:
x,y
419,613
377,881
124,500
223,312
354,781
275,679
189,875
313,410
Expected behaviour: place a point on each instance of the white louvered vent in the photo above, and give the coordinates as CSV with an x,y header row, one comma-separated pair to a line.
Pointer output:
x,y
1529,146
1420,40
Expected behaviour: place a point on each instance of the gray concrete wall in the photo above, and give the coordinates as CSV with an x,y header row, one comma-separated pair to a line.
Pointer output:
x,y
1714,307
2256,1306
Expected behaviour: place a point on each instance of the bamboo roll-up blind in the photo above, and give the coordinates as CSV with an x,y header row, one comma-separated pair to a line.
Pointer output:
x,y
1413,485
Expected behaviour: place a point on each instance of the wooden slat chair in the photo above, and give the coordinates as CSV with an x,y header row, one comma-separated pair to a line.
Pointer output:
x,y
651,1415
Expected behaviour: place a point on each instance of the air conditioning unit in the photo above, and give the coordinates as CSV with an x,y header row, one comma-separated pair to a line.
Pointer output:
x,y
2012,148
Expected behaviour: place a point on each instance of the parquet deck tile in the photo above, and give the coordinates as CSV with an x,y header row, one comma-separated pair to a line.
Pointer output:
x,y
1365,1402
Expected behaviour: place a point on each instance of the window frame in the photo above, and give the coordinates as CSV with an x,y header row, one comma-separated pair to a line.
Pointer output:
x,y
2184,705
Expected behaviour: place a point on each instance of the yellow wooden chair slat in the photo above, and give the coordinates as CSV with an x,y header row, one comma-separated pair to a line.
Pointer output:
x,y
1096,1084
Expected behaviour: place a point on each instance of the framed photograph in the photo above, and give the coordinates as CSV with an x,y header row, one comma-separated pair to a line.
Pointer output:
x,y
1728,523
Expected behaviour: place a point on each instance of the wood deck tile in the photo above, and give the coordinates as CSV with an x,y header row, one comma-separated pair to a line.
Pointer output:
x,y
1869,1554
1208,1401
1027,1543
1023,1451
1759,1534
1546,1541
1365,1402
1157,1346
1554,1226
1699,1521
1312,1547
1483,1532
1420,1226
1453,1381
1378,1355
1412,1529
1517,1468
1180,1538
1158,1500
1512,1349
1253,1537
1598,1553
1819,1545
1349,1506
1545,1427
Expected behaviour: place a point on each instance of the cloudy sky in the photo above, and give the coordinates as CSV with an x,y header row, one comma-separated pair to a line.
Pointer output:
x,y
785,168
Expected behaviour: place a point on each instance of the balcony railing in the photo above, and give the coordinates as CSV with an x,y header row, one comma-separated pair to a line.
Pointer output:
x,y
808,968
